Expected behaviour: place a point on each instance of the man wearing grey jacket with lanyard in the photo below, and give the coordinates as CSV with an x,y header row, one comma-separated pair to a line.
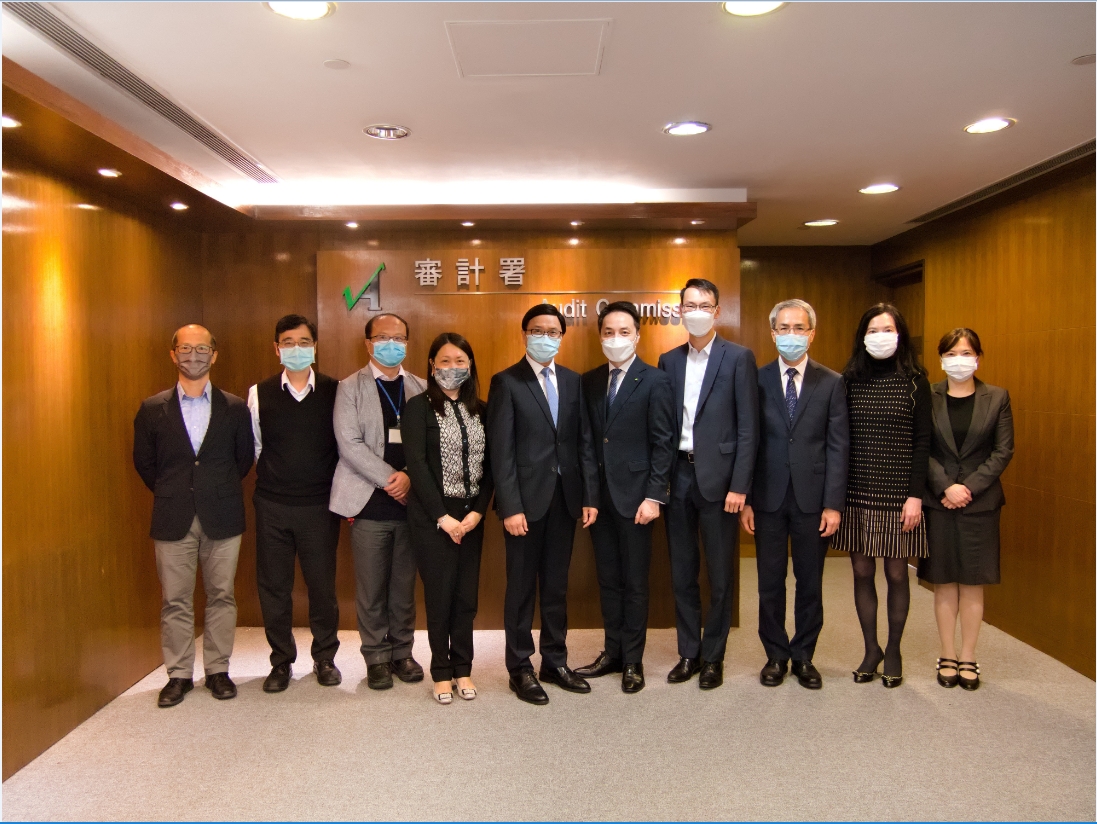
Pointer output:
x,y
370,488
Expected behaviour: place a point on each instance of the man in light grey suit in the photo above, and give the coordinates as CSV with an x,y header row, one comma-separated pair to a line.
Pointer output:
x,y
370,488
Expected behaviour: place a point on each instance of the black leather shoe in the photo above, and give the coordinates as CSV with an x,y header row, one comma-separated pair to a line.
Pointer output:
x,y
525,686
565,678
712,675
603,665
632,679
684,670
327,674
173,691
407,670
221,686
379,676
807,675
773,673
279,678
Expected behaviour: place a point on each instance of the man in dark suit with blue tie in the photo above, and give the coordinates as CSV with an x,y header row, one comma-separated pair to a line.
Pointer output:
x,y
546,478
799,490
192,445
630,406
716,404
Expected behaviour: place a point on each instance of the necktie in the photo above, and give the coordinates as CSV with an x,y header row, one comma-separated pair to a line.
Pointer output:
x,y
613,376
550,393
790,392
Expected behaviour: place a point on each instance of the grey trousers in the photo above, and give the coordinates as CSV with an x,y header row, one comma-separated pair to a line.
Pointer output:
x,y
384,572
177,565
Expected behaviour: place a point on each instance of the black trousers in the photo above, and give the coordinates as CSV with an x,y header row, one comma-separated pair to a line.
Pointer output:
x,y
451,583
622,557
539,560
772,531
690,516
311,534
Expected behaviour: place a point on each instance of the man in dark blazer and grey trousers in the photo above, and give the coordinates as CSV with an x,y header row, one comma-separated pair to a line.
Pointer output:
x,y
545,480
192,445
716,404
799,490
630,406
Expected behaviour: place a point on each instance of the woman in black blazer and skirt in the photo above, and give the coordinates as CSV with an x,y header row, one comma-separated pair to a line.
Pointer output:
x,y
972,444
446,453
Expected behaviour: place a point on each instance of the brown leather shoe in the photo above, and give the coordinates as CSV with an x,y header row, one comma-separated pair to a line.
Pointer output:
x,y
174,691
221,686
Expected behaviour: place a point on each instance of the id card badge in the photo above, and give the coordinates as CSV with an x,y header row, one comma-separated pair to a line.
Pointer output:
x,y
394,435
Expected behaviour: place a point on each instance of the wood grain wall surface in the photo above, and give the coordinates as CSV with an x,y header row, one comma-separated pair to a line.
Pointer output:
x,y
1019,270
91,298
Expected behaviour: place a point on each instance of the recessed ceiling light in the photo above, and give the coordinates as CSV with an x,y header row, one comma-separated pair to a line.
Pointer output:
x,y
577,223
110,173
87,206
574,241
879,189
385,131
696,222
301,10
687,127
989,124
679,240
1085,60
748,9
336,64
372,242
475,242
824,222
11,123
352,225
179,207
467,223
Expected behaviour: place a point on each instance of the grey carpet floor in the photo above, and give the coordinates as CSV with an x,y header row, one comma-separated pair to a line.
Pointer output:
x,y
1022,747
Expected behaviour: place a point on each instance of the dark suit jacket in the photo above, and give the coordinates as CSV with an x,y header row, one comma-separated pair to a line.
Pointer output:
x,y
423,453
634,440
185,484
978,462
812,449
725,429
527,451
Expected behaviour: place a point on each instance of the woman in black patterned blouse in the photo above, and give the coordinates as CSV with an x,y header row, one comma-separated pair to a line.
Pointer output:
x,y
446,453
890,420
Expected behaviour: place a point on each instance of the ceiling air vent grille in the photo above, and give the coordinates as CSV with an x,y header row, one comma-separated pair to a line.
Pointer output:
x,y
1048,165
38,17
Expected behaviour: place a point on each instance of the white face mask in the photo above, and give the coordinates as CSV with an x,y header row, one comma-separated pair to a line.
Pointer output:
x,y
882,344
698,322
959,368
619,350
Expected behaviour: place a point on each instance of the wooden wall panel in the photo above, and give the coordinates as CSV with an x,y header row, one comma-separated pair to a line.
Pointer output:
x,y
1019,270
90,301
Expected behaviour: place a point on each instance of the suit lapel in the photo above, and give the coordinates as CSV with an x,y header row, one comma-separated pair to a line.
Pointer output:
x,y
538,393
716,354
679,376
978,418
811,380
940,416
771,381
175,415
628,383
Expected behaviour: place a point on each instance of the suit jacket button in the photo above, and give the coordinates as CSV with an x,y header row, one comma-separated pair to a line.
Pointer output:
x,y
790,440
196,463
605,440
554,469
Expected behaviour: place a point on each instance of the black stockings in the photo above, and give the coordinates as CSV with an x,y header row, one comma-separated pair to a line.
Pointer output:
x,y
898,605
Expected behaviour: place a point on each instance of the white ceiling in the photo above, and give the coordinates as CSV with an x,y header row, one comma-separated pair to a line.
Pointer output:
x,y
807,104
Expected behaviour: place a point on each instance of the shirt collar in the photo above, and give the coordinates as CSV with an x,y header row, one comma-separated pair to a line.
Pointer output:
x,y
311,381
379,375
206,392
538,367
624,367
707,350
785,366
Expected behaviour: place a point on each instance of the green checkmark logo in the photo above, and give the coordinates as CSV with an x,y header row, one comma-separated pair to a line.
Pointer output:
x,y
352,299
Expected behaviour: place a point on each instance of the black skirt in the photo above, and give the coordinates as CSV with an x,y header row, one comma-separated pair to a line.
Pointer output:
x,y
963,548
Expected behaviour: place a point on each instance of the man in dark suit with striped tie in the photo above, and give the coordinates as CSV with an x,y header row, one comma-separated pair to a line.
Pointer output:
x,y
799,490
546,478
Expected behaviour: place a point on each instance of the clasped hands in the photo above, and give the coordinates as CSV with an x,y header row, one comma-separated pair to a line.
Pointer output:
x,y
956,496
458,529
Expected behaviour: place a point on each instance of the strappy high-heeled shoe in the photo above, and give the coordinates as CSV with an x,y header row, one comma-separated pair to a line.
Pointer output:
x,y
968,683
863,677
948,681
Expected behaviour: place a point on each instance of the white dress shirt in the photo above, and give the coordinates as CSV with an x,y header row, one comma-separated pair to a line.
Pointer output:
x,y
541,378
798,377
379,375
624,367
253,404
696,364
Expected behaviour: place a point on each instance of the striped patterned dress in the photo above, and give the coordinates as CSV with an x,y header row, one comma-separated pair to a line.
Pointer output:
x,y
890,422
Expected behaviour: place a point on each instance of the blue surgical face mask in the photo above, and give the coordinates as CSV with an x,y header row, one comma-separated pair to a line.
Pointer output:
x,y
792,347
389,353
297,358
542,349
